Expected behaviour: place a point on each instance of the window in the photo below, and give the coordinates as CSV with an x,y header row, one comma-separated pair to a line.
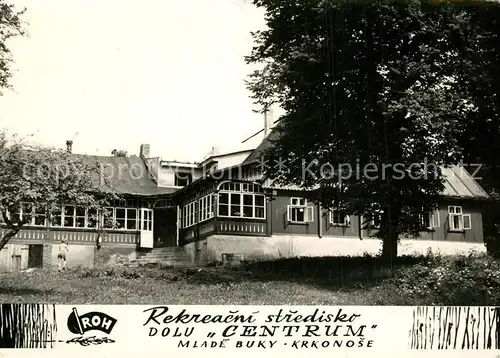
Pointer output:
x,y
205,208
39,216
457,220
299,212
56,218
120,218
26,212
75,217
431,221
376,219
182,179
147,220
132,218
241,200
80,214
126,218
92,217
108,218
68,216
189,214
338,217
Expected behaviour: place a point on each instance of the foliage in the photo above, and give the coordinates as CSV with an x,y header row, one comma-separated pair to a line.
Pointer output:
x,y
472,280
37,180
478,71
372,109
10,26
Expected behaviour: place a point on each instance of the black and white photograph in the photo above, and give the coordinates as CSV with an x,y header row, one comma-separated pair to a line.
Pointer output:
x,y
251,152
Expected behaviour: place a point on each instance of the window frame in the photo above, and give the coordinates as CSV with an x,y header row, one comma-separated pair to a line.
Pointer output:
x,y
297,203
379,213
431,221
241,190
189,214
205,208
462,218
345,223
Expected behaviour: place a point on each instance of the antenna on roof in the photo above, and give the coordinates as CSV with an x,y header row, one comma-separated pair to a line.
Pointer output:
x,y
262,130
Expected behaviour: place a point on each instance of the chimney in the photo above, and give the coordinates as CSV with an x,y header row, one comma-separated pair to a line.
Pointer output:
x,y
215,150
268,121
144,151
69,146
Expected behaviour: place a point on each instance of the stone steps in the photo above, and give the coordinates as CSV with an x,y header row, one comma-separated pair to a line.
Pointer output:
x,y
168,256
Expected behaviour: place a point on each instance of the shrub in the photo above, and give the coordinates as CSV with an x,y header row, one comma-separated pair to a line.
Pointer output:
x,y
458,280
493,246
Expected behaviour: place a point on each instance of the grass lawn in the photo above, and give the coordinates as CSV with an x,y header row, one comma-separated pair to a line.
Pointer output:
x,y
462,280
285,282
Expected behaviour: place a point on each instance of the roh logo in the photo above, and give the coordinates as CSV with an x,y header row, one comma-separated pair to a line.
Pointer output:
x,y
91,321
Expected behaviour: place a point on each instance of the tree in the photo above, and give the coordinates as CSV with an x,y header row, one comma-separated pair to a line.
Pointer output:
x,y
371,110
36,181
10,26
478,70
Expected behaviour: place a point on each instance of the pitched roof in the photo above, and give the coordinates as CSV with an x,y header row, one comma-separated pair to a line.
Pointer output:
x,y
126,175
263,146
458,182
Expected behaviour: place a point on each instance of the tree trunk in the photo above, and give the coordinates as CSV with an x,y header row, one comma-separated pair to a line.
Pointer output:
x,y
5,239
390,234
390,246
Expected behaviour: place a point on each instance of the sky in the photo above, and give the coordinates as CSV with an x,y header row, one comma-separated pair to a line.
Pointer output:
x,y
114,74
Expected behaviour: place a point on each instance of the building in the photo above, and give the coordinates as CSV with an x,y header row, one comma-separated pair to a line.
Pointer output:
x,y
222,209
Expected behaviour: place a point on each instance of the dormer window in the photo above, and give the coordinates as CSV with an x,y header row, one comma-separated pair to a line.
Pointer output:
x,y
183,179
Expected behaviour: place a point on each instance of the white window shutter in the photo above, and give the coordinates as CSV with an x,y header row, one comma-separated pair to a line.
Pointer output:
x,y
330,215
310,214
466,221
435,222
347,220
289,213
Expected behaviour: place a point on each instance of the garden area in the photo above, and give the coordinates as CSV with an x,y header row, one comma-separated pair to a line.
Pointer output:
x,y
425,280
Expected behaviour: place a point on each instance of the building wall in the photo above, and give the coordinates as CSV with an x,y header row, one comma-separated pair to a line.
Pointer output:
x,y
286,246
166,175
277,217
277,222
225,161
117,246
14,257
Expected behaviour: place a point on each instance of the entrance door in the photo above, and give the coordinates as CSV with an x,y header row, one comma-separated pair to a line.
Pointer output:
x,y
35,256
165,223
146,228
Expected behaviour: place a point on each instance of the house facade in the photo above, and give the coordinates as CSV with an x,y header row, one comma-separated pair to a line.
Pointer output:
x,y
223,209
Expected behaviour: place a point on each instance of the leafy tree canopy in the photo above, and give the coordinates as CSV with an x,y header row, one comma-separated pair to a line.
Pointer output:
x,y
375,100
38,180
10,26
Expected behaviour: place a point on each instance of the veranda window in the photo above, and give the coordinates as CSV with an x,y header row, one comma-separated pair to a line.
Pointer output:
x,y
241,200
69,216
205,205
189,214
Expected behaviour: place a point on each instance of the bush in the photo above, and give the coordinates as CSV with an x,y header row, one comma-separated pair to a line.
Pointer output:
x,y
493,246
459,280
